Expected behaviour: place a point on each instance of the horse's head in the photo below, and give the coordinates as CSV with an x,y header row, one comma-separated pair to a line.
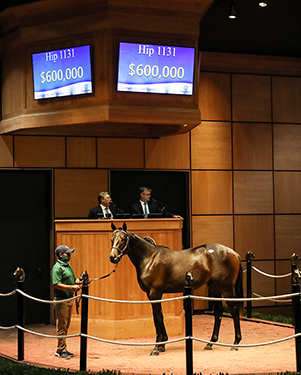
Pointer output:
x,y
120,242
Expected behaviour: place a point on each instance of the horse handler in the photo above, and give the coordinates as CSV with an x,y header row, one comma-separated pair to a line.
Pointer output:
x,y
65,284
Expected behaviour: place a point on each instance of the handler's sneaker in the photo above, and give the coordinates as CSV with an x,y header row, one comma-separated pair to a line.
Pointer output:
x,y
70,354
64,355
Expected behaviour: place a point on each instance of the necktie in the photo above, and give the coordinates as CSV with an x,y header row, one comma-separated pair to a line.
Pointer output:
x,y
145,210
108,213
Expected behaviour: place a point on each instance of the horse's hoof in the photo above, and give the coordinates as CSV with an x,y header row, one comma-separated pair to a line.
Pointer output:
x,y
208,347
161,349
234,348
154,352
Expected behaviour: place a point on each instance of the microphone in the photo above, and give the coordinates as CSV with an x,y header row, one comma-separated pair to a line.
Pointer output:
x,y
160,204
114,205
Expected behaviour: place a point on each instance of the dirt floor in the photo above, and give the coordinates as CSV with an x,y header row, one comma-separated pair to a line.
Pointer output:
x,y
136,360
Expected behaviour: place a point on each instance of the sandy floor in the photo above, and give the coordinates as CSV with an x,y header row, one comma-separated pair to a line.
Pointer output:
x,y
136,360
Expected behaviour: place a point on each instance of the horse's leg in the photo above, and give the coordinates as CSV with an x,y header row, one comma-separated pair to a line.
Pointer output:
x,y
235,312
160,329
218,312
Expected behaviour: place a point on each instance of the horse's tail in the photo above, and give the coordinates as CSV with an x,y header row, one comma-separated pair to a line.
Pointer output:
x,y
239,290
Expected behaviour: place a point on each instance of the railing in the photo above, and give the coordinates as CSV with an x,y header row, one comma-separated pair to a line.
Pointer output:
x,y
187,301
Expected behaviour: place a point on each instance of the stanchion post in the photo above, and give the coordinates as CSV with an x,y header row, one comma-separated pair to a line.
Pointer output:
x,y
84,324
297,317
188,323
249,258
294,260
21,310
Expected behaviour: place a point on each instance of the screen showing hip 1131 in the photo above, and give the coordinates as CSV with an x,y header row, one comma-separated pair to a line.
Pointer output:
x,y
63,72
155,69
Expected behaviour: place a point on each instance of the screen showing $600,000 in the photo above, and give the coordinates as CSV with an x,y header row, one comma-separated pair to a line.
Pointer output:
x,y
155,69
62,72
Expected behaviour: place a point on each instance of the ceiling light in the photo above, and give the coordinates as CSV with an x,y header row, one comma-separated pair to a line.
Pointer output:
x,y
232,10
262,4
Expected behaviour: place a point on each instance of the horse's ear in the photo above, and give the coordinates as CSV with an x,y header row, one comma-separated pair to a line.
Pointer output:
x,y
113,227
124,227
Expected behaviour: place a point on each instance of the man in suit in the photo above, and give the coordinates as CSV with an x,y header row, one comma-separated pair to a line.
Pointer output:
x,y
105,209
146,205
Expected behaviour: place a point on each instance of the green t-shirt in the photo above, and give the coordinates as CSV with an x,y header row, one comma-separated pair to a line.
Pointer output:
x,y
63,273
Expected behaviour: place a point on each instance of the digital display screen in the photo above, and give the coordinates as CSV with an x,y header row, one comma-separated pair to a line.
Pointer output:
x,y
62,72
155,69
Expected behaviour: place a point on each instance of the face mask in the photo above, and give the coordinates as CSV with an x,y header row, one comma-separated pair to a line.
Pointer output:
x,y
66,258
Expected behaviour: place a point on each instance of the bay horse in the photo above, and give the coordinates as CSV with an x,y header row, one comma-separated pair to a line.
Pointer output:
x,y
162,270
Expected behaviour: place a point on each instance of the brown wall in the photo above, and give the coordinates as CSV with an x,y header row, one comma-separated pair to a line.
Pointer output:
x,y
244,161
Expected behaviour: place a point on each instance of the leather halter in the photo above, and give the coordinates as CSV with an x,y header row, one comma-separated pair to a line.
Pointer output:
x,y
121,252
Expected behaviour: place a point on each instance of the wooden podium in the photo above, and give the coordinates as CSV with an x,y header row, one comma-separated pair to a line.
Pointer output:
x,y
91,240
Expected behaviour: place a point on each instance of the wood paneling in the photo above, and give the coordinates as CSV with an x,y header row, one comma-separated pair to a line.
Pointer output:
x,y
251,98
252,146
254,233
119,153
168,152
211,146
215,96
40,151
6,151
263,285
208,229
254,64
211,192
287,141
76,191
253,192
81,152
287,192
287,99
287,235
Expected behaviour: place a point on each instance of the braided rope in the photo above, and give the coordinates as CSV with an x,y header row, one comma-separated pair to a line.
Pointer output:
x,y
8,294
271,299
269,275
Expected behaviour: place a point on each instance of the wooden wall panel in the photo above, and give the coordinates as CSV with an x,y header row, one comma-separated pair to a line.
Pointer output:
x,y
253,192
287,99
76,191
212,192
287,192
251,98
6,151
211,146
287,235
283,284
40,152
208,229
215,96
120,153
254,233
168,152
12,82
287,141
81,152
263,285
252,146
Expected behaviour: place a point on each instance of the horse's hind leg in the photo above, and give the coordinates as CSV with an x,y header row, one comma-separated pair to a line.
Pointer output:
x,y
235,311
160,329
218,312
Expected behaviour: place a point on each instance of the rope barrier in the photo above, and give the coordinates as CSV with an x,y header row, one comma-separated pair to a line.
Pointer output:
x,y
8,294
273,300
161,342
10,327
261,298
269,275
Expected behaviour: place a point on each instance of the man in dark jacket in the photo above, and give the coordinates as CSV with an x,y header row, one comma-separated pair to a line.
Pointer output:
x,y
146,205
105,209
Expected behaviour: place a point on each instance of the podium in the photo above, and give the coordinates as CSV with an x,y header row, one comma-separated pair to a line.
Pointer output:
x,y
108,320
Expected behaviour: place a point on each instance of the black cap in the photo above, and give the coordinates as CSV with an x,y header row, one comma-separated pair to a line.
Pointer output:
x,y
63,249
